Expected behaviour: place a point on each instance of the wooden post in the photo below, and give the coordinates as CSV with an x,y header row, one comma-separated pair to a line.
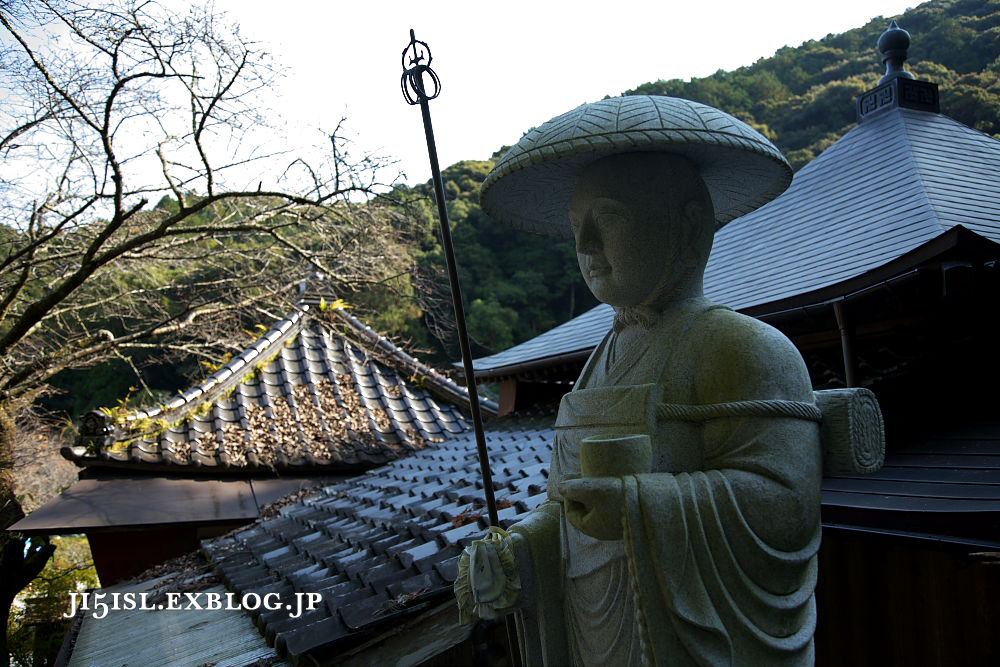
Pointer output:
x,y
846,343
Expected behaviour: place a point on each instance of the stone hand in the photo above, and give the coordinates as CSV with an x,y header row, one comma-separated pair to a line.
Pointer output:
x,y
488,581
594,505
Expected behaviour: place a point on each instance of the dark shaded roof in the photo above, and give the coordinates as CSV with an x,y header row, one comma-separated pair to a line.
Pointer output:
x,y
382,548
576,337
890,186
134,500
945,483
384,544
319,391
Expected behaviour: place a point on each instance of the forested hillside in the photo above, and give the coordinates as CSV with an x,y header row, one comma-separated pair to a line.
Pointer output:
x,y
518,285
802,97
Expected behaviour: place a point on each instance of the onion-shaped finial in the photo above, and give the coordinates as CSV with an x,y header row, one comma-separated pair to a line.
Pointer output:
x,y
893,45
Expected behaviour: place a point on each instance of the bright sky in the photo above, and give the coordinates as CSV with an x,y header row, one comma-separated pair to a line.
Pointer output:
x,y
508,66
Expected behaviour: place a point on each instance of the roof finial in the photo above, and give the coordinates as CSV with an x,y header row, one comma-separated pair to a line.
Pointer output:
x,y
893,45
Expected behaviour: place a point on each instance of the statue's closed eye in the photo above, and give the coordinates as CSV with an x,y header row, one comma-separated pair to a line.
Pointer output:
x,y
608,220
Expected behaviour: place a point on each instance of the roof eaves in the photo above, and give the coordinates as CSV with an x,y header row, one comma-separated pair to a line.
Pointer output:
x,y
955,192
498,372
562,339
925,252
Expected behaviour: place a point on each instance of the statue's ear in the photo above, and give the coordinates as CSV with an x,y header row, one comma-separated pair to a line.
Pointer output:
x,y
693,214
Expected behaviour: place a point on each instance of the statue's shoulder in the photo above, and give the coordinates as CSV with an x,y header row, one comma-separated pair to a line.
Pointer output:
x,y
738,357
724,330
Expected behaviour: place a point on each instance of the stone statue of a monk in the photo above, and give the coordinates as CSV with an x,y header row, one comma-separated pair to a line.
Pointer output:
x,y
682,524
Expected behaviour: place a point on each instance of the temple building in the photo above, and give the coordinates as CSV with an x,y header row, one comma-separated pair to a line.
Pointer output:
x,y
881,263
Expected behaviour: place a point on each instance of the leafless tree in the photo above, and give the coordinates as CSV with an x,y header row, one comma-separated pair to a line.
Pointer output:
x,y
123,132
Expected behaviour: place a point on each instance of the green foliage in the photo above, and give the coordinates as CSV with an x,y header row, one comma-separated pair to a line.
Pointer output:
x,y
491,324
802,98
37,627
516,284
975,99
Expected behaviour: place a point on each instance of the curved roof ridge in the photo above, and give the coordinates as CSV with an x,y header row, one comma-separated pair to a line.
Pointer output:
x,y
411,364
915,165
230,374
303,395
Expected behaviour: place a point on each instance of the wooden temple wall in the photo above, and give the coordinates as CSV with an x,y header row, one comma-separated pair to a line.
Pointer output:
x,y
894,601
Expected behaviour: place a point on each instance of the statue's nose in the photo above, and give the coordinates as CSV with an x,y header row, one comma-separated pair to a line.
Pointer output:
x,y
588,241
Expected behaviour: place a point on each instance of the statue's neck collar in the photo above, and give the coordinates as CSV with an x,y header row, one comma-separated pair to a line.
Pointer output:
x,y
648,317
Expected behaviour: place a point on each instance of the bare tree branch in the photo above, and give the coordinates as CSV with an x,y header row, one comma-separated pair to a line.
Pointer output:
x,y
135,104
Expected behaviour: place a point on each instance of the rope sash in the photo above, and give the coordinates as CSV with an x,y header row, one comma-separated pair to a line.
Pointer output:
x,y
768,408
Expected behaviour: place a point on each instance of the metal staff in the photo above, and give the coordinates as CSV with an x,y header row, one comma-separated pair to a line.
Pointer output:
x,y
416,65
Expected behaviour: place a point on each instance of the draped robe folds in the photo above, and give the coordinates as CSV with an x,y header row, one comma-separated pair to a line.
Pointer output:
x,y
718,561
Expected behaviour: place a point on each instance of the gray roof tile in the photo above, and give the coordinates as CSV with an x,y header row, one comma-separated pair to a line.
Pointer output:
x,y
309,637
395,531
274,409
373,544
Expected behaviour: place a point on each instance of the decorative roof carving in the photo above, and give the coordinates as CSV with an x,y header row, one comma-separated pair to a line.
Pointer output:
x,y
897,88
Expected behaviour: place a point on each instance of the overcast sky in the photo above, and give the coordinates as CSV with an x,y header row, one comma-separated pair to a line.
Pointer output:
x,y
508,66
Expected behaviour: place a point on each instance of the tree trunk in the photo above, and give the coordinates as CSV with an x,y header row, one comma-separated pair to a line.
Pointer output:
x,y
5,604
20,562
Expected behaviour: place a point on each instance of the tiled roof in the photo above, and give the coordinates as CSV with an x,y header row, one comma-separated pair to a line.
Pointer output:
x,y
893,183
384,544
139,637
319,390
581,334
130,498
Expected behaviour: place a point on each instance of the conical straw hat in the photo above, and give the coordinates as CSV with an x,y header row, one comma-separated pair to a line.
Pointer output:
x,y
531,185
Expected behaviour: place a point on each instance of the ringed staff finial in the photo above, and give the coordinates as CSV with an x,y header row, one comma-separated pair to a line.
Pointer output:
x,y
416,64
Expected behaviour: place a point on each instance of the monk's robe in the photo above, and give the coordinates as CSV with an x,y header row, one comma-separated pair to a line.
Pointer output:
x,y
718,561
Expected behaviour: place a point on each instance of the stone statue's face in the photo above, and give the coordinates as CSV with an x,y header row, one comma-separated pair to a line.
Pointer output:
x,y
623,251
